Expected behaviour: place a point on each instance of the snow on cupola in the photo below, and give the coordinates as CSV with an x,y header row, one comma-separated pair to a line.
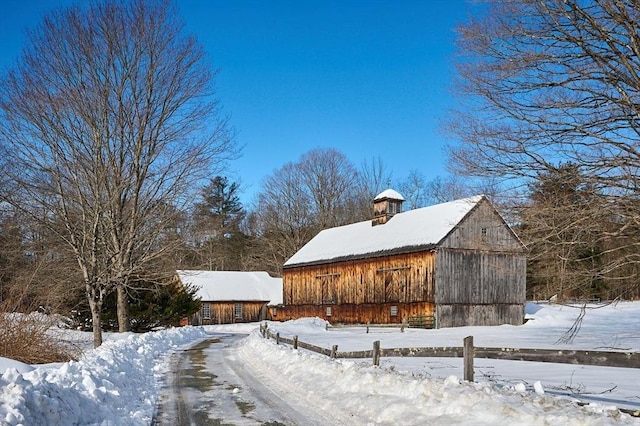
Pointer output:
x,y
385,205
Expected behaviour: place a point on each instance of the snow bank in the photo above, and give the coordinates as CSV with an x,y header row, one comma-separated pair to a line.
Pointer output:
x,y
118,383
361,395
112,385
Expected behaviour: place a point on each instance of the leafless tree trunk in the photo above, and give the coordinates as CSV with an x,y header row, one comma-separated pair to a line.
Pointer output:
x,y
545,83
108,120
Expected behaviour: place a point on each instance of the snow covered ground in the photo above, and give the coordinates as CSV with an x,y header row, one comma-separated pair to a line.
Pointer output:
x,y
119,382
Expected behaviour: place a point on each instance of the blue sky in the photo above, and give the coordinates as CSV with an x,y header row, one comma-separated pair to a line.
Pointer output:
x,y
369,78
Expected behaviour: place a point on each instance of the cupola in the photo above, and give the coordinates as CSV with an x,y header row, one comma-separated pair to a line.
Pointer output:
x,y
385,206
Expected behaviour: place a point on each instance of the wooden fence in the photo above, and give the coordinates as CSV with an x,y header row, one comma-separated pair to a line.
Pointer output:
x,y
469,352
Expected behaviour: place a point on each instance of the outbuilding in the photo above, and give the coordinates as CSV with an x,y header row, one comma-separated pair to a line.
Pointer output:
x,y
452,264
229,297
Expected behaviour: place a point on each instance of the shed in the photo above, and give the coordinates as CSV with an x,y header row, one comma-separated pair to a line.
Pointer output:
x,y
452,264
233,296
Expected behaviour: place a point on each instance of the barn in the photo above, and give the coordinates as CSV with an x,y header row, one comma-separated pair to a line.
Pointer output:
x,y
233,296
452,264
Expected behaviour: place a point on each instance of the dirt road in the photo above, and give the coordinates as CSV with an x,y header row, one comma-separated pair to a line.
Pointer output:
x,y
210,386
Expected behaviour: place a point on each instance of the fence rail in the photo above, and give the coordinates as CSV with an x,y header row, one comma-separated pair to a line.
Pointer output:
x,y
561,356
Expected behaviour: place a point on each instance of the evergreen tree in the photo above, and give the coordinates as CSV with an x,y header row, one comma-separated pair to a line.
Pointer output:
x,y
565,249
219,240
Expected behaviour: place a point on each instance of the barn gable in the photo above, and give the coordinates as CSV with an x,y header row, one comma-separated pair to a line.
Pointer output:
x,y
482,229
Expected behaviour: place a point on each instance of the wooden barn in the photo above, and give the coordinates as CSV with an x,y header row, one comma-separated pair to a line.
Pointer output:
x,y
448,265
233,296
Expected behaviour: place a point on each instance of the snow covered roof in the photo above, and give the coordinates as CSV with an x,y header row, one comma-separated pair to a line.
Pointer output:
x,y
419,228
390,194
225,286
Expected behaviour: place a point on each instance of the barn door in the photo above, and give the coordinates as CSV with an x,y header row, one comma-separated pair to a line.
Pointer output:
x,y
391,287
393,284
329,295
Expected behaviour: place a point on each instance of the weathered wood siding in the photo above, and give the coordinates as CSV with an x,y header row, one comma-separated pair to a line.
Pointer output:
x,y
473,277
483,229
370,313
224,313
460,315
480,273
399,278
357,287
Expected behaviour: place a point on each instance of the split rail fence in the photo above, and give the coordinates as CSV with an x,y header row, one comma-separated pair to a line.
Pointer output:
x,y
468,352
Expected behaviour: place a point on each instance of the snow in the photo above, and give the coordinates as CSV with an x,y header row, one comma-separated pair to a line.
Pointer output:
x,y
119,382
389,194
224,286
422,227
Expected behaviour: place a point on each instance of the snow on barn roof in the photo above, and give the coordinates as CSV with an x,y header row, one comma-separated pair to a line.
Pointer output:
x,y
227,286
414,228
389,194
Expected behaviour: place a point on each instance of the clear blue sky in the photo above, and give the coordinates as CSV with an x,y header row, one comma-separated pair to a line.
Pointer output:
x,y
369,78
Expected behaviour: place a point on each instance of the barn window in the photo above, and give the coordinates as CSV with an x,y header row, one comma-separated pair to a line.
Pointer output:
x,y
206,311
394,207
328,311
484,234
238,311
394,311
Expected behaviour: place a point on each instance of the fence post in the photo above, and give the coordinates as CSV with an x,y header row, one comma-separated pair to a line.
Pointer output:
x,y
467,353
334,349
278,338
295,342
376,352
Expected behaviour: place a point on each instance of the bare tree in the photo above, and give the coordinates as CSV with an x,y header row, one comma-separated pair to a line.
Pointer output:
x,y
413,188
549,82
300,199
329,179
108,119
284,223
372,178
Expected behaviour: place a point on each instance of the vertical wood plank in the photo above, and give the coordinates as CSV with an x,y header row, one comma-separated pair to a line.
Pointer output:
x,y
376,352
334,349
467,352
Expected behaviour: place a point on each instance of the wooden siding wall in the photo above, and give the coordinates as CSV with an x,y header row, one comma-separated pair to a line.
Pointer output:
x,y
357,314
471,277
459,315
363,290
400,278
481,273
480,288
224,313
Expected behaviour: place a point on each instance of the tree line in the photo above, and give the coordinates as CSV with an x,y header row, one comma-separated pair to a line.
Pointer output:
x,y
114,150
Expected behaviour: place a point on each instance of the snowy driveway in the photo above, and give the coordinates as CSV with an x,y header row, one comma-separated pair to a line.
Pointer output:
x,y
209,385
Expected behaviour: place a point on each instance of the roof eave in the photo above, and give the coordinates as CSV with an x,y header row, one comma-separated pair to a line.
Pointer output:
x,y
381,253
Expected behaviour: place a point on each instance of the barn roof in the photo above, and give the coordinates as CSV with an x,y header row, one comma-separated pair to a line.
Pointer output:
x,y
228,286
412,230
